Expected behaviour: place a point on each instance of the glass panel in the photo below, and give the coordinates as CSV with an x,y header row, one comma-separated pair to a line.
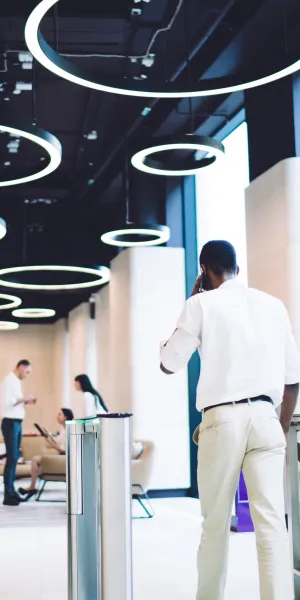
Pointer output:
x,y
220,196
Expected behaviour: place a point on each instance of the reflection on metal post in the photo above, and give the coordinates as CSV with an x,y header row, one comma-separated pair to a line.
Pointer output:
x,y
115,507
294,501
83,509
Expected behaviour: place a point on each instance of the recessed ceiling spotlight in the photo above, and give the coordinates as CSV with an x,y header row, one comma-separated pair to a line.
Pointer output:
x,y
41,137
62,67
92,135
25,57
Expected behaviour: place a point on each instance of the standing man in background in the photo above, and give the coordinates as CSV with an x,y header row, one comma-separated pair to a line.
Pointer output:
x,y
249,366
13,412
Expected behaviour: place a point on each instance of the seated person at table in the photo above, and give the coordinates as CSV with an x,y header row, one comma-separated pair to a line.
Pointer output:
x,y
56,443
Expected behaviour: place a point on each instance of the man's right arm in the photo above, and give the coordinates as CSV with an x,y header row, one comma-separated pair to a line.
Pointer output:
x,y
25,400
8,399
292,378
288,406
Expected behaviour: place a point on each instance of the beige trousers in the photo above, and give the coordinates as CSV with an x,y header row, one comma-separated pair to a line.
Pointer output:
x,y
248,437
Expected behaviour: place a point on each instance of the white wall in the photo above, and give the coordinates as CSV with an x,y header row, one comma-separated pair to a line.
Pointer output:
x,y
35,343
273,240
146,297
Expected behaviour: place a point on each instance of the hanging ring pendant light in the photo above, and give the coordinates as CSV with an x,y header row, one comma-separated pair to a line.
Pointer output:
x,y
132,233
11,301
33,313
143,159
144,234
8,325
44,139
62,67
99,277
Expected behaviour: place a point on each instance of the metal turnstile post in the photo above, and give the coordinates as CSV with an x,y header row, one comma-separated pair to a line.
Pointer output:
x,y
294,501
115,507
83,509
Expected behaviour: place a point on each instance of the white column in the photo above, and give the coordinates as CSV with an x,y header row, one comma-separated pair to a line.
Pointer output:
x,y
103,344
273,240
61,363
82,355
146,297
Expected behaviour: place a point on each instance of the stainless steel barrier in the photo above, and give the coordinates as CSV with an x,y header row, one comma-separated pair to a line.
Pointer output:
x,y
83,493
115,507
293,497
99,508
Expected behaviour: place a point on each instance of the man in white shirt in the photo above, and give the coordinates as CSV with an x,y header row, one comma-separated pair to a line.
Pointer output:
x,y
249,365
13,412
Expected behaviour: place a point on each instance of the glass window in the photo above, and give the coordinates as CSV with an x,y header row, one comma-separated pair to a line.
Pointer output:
x,y
220,193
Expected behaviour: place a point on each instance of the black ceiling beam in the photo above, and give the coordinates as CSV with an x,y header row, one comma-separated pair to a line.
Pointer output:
x,y
169,107
161,110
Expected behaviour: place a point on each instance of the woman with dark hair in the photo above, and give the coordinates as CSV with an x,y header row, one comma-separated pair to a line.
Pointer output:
x,y
94,404
57,444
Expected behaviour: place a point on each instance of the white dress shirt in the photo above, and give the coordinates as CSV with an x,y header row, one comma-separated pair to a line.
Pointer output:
x,y
10,392
60,438
92,405
245,342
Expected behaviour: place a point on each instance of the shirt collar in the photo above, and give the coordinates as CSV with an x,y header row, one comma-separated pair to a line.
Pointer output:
x,y
233,284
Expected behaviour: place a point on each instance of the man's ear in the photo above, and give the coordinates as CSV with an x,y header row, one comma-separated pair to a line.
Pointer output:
x,y
203,269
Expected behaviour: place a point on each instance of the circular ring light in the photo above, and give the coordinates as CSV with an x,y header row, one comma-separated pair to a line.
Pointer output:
x,y
8,325
44,139
102,276
143,235
13,301
190,166
62,67
33,313
2,229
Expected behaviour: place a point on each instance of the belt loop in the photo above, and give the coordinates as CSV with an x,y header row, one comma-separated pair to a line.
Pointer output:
x,y
249,401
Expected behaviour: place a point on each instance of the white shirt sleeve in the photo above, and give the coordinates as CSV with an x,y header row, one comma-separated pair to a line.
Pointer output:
x,y
8,394
89,405
185,340
292,359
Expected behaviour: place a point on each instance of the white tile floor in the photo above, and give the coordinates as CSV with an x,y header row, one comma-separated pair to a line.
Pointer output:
x,y
33,559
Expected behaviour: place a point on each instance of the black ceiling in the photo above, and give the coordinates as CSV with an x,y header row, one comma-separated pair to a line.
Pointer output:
x,y
60,218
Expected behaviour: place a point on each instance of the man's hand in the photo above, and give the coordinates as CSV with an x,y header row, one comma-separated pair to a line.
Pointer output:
x,y
30,400
196,288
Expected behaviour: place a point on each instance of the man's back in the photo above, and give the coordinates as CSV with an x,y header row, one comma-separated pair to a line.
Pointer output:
x,y
245,344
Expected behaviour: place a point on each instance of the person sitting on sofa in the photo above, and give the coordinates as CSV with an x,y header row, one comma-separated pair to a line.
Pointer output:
x,y
56,443
95,405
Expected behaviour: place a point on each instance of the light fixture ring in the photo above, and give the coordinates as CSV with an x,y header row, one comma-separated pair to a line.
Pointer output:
x,y
150,234
2,228
13,302
62,67
33,313
102,275
44,139
8,325
143,161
